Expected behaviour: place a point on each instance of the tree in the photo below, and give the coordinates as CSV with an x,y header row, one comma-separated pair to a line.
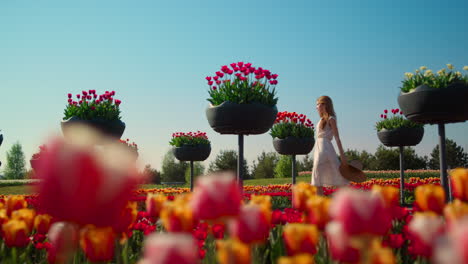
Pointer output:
x,y
227,160
455,155
198,169
366,158
16,165
305,164
389,159
173,170
283,168
265,167
154,176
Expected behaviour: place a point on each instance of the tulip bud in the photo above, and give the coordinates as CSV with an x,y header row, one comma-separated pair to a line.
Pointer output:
x,y
297,259
341,247
262,200
317,211
430,198
459,179
301,192
98,243
154,204
252,225
42,223
300,238
3,219
127,217
455,211
170,248
63,238
16,233
232,252
177,215
221,192
26,215
15,202
424,230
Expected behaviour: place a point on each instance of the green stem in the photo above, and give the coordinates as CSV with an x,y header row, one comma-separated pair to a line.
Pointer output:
x,y
14,255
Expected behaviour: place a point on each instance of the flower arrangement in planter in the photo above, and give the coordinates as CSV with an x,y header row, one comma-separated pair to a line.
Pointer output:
x,y
99,111
293,134
429,97
132,146
243,99
396,130
191,146
35,159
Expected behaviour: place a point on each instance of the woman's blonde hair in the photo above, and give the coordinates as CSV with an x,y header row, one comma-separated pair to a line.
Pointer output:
x,y
329,110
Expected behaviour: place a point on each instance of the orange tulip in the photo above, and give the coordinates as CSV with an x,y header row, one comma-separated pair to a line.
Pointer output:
x,y
430,198
389,194
15,202
27,215
252,225
3,219
16,233
455,211
232,251
98,243
42,223
177,216
262,200
297,259
381,255
300,238
301,192
154,204
317,211
127,217
459,179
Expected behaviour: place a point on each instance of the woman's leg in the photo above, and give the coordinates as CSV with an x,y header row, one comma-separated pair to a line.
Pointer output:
x,y
320,190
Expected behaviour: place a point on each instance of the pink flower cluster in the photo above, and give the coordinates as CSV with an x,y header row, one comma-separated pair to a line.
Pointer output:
x,y
91,95
242,72
394,111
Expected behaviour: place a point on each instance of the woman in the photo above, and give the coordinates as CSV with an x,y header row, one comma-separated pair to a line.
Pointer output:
x,y
326,170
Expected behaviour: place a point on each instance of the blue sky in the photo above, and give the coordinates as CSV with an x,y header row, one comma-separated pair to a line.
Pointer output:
x,y
156,54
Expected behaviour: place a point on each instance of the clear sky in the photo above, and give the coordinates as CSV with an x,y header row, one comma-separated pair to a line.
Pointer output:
x,y
156,54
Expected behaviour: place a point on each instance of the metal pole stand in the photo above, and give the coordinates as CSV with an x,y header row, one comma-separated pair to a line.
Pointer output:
x,y
443,163
240,160
402,177
191,175
293,162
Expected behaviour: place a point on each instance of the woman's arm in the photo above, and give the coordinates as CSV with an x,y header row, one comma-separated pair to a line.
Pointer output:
x,y
334,127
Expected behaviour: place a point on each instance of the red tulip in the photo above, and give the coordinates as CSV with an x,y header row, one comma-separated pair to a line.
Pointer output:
x,y
81,185
164,248
216,196
42,223
424,229
69,95
16,233
385,111
98,243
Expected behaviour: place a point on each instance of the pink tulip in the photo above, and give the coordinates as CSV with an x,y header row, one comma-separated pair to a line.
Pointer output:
x,y
69,95
84,185
340,244
360,212
252,225
424,229
63,238
164,248
216,196
208,78
452,248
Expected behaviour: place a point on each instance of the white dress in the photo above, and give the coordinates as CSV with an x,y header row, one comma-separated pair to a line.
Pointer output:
x,y
326,170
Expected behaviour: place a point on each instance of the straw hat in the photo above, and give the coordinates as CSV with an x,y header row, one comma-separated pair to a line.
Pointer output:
x,y
353,171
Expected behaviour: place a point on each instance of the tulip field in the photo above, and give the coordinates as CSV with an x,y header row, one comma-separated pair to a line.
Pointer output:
x,y
88,209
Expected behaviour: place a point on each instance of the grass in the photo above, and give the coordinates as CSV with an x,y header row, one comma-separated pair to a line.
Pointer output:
x,y
22,188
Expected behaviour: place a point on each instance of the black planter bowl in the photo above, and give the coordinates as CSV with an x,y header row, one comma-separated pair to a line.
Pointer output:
x,y
433,106
1,139
402,136
113,128
293,145
246,119
192,152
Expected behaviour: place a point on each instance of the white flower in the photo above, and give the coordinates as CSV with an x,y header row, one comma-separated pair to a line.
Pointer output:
x,y
417,71
409,75
450,66
428,73
465,68
422,68
441,72
459,74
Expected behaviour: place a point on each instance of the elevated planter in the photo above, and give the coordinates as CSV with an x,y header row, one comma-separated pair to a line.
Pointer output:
x,y
113,128
402,136
192,152
293,145
436,105
241,119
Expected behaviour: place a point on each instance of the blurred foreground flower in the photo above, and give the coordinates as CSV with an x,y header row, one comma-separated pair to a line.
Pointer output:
x,y
252,225
451,249
63,238
170,248
232,251
459,179
83,184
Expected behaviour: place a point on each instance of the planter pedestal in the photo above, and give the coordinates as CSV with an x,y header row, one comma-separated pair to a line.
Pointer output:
x,y
191,154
